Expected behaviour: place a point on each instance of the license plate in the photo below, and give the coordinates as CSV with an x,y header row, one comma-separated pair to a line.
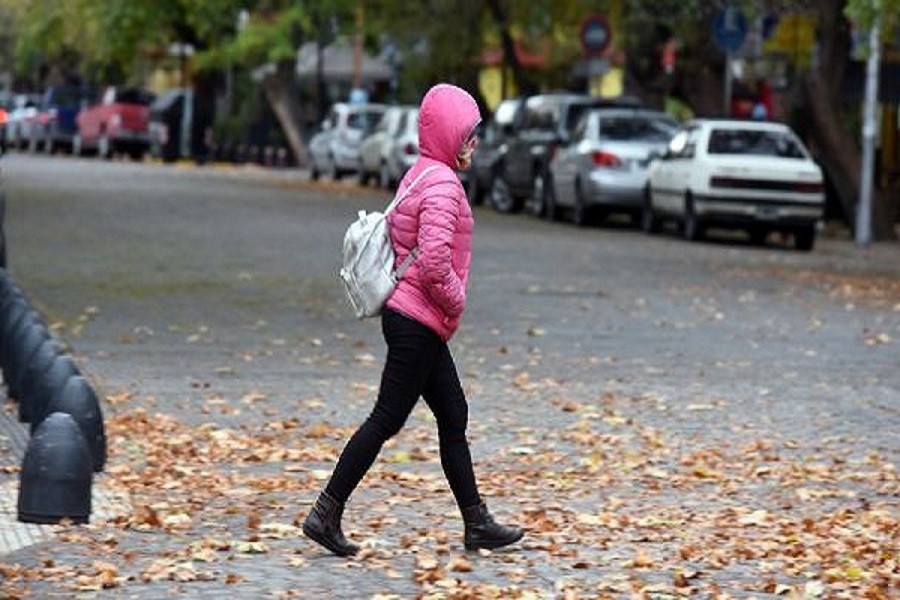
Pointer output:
x,y
766,213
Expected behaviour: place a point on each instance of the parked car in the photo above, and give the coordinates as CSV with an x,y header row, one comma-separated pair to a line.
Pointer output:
x,y
117,123
18,120
491,137
54,126
373,148
180,125
541,122
334,150
603,166
751,175
403,150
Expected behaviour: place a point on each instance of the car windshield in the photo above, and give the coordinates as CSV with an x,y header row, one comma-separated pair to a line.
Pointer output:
x,y
754,142
364,120
636,127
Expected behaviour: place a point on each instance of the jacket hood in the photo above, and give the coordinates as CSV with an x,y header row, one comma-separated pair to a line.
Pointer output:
x,y
447,116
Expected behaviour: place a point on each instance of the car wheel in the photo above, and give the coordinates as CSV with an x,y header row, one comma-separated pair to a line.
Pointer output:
x,y
501,197
805,238
539,199
581,212
650,223
693,229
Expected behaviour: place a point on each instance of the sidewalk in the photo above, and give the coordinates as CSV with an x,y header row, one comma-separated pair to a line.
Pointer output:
x,y
15,534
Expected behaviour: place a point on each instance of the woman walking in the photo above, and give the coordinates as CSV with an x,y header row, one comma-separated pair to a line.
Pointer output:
x,y
421,316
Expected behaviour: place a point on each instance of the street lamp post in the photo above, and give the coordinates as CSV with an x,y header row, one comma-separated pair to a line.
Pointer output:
x,y
864,210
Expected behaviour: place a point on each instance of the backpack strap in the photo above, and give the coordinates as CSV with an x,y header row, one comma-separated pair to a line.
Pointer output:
x,y
414,253
398,199
407,262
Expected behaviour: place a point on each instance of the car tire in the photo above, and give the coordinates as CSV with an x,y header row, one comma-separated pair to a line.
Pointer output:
x,y
581,212
693,228
650,222
502,199
805,238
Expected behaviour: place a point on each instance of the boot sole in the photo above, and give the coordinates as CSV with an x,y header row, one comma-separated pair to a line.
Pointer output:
x,y
326,543
493,544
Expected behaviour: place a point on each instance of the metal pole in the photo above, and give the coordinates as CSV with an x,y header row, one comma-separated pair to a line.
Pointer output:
x,y
864,210
728,83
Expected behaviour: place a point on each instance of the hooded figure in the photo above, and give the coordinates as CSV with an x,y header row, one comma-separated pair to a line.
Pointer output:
x,y
418,320
435,217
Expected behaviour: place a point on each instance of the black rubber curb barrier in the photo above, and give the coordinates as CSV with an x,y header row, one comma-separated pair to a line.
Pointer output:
x,y
68,439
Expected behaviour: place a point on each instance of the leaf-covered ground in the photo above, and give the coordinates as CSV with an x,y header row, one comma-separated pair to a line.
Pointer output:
x,y
666,419
612,508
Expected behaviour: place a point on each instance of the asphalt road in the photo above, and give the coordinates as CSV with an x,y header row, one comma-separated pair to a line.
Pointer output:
x,y
177,284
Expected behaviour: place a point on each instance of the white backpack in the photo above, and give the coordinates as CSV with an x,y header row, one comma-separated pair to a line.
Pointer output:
x,y
368,272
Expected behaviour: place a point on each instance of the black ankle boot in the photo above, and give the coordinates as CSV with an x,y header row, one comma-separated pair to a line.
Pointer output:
x,y
323,525
483,532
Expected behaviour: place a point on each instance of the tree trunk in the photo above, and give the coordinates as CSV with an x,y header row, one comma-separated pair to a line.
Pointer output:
x,y
835,148
284,97
523,82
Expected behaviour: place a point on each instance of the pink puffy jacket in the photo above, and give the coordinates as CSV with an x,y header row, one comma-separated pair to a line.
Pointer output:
x,y
435,216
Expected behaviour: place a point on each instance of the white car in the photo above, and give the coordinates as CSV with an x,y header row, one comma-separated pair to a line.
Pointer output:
x,y
335,148
403,151
751,175
374,148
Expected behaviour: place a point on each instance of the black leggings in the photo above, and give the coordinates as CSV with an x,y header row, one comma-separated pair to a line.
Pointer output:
x,y
418,364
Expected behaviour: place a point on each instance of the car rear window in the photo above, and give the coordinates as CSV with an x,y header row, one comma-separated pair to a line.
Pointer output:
x,y
637,127
753,142
364,120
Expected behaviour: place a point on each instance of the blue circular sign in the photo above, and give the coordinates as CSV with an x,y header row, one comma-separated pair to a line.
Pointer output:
x,y
595,35
729,29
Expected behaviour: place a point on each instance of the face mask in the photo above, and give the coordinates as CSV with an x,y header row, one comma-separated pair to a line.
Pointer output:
x,y
464,157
